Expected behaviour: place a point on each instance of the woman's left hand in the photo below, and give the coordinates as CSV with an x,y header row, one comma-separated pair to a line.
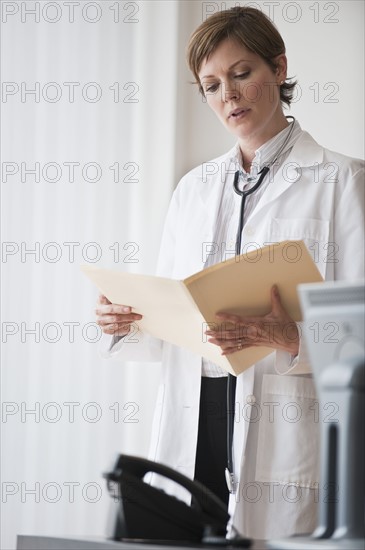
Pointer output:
x,y
275,330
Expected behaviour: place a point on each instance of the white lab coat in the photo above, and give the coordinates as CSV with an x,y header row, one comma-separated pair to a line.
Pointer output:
x,y
318,197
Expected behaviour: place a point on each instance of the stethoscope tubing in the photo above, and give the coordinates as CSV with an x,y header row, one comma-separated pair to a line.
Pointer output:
x,y
245,194
231,382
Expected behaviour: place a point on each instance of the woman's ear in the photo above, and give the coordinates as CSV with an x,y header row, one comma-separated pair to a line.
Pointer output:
x,y
281,63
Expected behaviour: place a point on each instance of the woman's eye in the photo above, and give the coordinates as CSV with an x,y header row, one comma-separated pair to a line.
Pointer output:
x,y
212,88
242,75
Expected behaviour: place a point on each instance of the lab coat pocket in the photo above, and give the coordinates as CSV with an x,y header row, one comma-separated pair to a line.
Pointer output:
x,y
287,451
314,233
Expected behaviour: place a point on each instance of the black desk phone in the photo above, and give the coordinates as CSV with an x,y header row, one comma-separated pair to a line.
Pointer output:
x,y
148,514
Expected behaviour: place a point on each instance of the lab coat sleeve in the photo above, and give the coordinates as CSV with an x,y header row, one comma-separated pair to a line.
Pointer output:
x,y
285,363
140,346
166,257
137,347
349,224
346,252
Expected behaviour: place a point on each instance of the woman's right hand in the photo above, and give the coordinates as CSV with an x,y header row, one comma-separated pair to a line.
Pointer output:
x,y
113,318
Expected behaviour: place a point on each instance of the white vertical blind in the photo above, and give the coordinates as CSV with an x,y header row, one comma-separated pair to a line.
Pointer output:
x,y
86,409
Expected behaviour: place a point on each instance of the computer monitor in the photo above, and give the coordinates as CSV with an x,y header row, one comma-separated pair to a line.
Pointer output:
x,y
334,321
333,332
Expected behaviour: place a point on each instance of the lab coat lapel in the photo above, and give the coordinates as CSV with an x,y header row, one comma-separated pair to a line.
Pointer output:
x,y
210,190
305,153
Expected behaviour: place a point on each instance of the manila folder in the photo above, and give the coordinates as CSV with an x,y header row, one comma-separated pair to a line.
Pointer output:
x,y
180,312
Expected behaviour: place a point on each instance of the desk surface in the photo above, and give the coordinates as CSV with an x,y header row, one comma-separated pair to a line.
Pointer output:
x,y
26,542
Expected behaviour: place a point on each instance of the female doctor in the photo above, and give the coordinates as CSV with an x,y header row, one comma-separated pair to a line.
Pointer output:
x,y
238,59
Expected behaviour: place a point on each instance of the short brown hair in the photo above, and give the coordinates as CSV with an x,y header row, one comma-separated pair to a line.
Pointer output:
x,y
249,27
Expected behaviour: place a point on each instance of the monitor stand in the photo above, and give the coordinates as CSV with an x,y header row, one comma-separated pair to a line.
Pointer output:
x,y
341,508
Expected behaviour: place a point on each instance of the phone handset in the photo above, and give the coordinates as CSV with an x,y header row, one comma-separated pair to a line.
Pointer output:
x,y
162,516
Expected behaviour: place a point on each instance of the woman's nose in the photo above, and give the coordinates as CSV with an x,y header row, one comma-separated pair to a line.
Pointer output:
x,y
230,91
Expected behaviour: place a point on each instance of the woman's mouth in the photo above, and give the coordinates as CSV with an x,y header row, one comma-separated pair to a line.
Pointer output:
x,y
237,114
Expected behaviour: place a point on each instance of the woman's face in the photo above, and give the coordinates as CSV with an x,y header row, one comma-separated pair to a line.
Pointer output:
x,y
243,92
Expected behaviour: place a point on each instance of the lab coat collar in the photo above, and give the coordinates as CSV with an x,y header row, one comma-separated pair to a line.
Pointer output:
x,y
278,144
306,152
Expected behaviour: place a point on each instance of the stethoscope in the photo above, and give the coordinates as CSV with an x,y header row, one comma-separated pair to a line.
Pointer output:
x,y
231,383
